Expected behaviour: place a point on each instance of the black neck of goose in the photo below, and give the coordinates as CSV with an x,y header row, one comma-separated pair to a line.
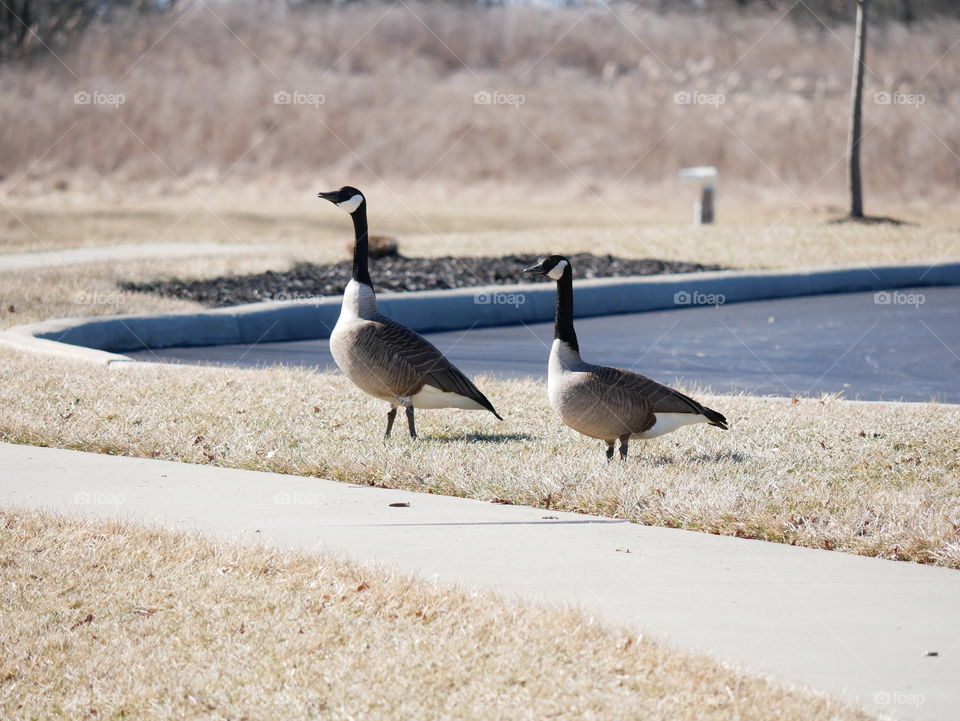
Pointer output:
x,y
361,273
563,322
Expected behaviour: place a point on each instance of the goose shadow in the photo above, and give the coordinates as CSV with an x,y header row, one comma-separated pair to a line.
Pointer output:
x,y
720,457
483,438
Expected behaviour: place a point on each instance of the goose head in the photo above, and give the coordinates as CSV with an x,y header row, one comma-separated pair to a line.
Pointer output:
x,y
347,198
553,267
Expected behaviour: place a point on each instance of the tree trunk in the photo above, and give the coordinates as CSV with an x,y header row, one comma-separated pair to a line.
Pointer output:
x,y
856,112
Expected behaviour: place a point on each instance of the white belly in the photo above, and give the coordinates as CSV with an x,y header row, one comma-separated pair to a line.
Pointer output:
x,y
667,422
340,346
431,397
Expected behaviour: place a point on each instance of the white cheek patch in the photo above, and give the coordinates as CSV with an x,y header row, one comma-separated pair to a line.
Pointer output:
x,y
556,272
352,204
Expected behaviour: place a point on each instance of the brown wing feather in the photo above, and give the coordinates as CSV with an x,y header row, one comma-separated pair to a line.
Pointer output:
x,y
646,393
424,364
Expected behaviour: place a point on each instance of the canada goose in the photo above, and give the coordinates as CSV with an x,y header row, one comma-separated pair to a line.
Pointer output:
x,y
382,357
604,402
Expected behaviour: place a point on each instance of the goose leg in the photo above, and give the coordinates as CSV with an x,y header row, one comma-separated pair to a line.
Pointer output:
x,y
391,414
609,450
413,428
624,439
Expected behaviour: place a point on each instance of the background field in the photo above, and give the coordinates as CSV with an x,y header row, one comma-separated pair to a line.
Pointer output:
x,y
608,102
763,95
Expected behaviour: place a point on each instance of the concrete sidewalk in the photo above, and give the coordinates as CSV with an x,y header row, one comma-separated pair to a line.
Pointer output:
x,y
112,253
855,627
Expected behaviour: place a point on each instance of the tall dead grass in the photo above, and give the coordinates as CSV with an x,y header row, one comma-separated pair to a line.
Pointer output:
x,y
598,87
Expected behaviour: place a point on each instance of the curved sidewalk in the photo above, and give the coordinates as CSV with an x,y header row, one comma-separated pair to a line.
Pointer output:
x,y
112,253
855,627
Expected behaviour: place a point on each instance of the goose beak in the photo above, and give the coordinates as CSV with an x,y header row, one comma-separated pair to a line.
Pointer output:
x,y
328,196
538,269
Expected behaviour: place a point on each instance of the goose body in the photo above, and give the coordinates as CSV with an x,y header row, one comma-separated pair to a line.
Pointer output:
x,y
389,361
603,402
608,403
383,358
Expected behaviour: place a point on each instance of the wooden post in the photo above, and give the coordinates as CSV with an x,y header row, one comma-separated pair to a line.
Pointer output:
x,y
856,112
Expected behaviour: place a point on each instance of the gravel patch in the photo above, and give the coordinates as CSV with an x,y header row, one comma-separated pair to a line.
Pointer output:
x,y
306,280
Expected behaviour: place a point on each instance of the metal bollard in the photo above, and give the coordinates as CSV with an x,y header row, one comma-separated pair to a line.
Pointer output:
x,y
706,176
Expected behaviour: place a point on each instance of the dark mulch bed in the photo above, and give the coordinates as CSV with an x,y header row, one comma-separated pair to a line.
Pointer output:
x,y
306,280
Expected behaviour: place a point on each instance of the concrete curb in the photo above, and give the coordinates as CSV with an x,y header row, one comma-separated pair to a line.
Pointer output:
x,y
104,339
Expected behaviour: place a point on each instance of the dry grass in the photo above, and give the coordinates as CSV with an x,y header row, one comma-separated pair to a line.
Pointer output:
x,y
111,621
599,104
873,479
